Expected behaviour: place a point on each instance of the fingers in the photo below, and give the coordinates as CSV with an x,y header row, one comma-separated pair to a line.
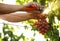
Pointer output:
x,y
38,6
35,5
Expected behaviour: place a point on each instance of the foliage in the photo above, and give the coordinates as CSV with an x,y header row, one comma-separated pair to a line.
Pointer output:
x,y
53,15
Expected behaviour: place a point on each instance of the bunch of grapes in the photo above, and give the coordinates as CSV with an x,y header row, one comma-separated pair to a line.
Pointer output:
x,y
42,24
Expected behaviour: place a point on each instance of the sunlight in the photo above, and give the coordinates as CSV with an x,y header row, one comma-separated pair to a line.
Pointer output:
x,y
48,9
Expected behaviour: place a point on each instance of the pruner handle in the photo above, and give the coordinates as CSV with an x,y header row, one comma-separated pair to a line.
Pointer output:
x,y
30,8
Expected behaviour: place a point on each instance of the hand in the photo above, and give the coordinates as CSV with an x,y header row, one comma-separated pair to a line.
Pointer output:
x,y
34,6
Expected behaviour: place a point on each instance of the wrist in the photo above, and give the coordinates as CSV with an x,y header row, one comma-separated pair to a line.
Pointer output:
x,y
37,16
34,16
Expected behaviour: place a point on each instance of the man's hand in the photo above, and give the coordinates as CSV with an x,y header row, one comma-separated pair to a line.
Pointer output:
x,y
33,6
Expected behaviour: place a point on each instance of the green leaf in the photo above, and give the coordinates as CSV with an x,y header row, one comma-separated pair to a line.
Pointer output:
x,y
20,2
0,35
10,33
22,36
34,0
32,39
26,27
51,17
42,2
5,39
34,28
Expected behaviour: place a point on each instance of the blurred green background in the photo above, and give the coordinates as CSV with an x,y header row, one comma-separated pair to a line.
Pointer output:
x,y
30,33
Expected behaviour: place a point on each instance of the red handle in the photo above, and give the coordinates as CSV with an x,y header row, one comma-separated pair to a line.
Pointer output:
x,y
29,9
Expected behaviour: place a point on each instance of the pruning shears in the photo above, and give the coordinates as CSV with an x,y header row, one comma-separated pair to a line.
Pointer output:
x,y
32,8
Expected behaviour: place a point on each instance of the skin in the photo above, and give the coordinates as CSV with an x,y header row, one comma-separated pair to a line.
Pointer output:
x,y
17,17
7,8
7,12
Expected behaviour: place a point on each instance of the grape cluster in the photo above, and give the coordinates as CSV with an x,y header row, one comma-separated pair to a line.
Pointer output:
x,y
42,24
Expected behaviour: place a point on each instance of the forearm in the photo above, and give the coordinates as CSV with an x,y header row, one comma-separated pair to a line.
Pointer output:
x,y
5,8
17,17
